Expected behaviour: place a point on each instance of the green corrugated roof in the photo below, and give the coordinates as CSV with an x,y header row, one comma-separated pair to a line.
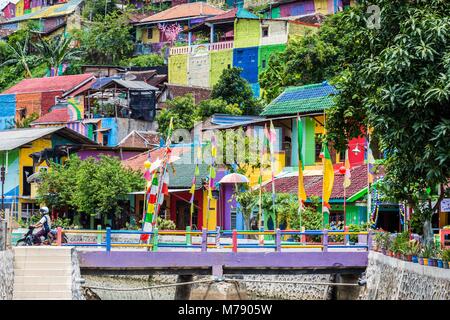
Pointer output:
x,y
303,99
182,178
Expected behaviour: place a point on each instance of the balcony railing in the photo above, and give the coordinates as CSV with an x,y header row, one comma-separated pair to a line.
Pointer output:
x,y
216,46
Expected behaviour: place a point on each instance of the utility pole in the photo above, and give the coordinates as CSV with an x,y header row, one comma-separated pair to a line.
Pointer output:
x,y
2,180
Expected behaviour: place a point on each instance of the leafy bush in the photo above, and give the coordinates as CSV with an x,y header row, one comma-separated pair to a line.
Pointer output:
x,y
145,60
165,224
446,255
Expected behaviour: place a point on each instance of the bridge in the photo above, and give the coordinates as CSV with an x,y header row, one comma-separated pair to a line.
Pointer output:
x,y
221,252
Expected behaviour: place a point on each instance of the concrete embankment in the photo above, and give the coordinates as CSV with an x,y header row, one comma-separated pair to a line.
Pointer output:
x,y
393,279
6,275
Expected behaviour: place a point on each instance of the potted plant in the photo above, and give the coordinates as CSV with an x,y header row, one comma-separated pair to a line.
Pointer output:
x,y
439,263
445,258
414,250
427,254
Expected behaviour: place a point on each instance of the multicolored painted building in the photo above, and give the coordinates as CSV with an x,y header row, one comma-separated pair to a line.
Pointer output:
x,y
17,147
236,38
51,17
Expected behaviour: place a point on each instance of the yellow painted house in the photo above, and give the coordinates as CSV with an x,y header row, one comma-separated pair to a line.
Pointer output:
x,y
26,152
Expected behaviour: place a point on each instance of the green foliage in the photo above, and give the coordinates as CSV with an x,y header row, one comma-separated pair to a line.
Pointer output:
x,y
55,51
89,186
383,239
25,123
247,201
32,220
207,108
63,223
182,110
165,224
399,244
395,81
94,9
445,255
145,60
235,90
107,40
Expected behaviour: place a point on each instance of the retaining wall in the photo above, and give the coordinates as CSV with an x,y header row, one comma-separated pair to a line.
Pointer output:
x,y
393,279
6,275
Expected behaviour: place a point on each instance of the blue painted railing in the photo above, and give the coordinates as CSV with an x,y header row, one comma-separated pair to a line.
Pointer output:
x,y
276,242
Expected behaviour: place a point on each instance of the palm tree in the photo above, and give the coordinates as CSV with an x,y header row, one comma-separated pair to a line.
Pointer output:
x,y
55,51
20,55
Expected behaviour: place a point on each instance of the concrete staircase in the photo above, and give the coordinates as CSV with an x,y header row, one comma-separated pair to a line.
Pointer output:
x,y
42,273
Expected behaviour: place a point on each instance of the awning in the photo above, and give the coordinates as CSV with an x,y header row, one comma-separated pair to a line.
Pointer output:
x,y
102,130
96,120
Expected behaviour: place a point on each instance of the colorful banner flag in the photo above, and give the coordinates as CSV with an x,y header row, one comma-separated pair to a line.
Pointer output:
x,y
301,186
328,178
370,164
347,176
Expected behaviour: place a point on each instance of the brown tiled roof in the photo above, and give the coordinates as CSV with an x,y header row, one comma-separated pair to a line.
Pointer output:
x,y
185,10
140,139
49,84
199,93
313,184
137,162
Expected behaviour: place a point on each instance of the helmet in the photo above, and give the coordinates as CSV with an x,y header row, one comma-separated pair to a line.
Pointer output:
x,y
43,210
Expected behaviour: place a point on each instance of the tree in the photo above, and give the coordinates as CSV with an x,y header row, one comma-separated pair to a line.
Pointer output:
x,y
19,54
107,40
207,108
234,89
145,60
397,84
56,50
94,9
88,186
182,110
312,58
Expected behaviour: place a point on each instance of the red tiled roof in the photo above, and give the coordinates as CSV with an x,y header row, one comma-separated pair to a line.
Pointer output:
x,y
49,84
81,89
60,115
230,14
313,184
185,10
139,139
137,162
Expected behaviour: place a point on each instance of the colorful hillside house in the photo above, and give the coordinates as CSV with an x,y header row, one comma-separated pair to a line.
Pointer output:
x,y
235,38
25,152
38,95
165,28
105,110
301,8
57,18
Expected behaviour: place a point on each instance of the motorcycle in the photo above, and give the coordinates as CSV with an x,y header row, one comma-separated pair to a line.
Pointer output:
x,y
29,239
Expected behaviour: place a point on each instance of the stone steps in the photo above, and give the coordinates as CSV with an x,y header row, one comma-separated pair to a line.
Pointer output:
x,y
43,273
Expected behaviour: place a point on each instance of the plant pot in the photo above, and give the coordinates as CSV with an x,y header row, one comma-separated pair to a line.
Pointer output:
x,y
383,251
445,264
415,259
425,262
431,262
421,261
390,253
409,258
440,264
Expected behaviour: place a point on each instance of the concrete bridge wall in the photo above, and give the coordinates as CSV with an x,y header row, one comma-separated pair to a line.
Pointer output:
x,y
393,279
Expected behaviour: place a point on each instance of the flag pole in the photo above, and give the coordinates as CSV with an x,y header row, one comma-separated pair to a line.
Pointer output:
x,y
369,196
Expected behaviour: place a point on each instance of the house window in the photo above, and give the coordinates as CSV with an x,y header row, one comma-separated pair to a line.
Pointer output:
x,y
233,219
265,31
150,33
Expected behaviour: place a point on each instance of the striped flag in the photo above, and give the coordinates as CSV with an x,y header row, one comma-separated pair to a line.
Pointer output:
x,y
328,179
301,186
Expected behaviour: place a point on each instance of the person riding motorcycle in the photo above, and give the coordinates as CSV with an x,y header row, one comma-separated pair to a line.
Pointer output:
x,y
45,224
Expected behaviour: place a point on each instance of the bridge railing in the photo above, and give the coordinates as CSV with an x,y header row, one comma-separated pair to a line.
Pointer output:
x,y
271,239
